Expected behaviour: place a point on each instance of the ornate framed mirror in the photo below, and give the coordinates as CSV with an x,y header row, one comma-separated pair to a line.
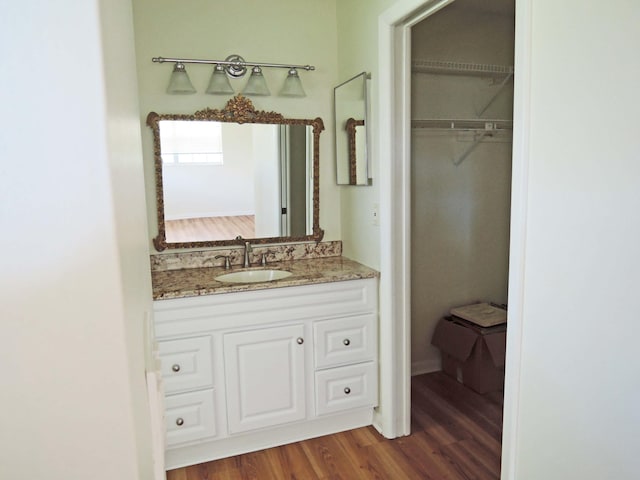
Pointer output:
x,y
235,173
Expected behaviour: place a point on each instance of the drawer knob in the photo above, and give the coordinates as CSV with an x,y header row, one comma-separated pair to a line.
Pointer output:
x,y
179,422
300,340
347,390
346,342
175,368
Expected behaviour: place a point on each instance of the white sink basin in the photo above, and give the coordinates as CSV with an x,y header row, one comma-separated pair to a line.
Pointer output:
x,y
253,276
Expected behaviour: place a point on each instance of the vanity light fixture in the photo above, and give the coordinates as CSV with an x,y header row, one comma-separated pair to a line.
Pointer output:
x,y
219,83
235,67
292,85
256,85
179,83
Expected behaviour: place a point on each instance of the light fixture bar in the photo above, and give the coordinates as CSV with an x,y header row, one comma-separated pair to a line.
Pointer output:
x,y
231,63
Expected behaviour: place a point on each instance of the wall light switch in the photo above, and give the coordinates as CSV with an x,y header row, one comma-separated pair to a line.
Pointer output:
x,y
375,214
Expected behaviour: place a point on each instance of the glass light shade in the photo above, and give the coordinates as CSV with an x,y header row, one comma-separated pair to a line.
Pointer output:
x,y
179,83
219,83
256,85
292,85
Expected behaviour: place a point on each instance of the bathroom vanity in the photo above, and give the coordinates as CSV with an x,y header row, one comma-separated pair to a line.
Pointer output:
x,y
246,363
249,366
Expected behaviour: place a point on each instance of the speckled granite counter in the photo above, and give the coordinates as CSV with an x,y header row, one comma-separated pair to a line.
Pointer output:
x,y
190,282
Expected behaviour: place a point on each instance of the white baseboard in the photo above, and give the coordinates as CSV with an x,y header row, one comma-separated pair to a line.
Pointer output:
x,y
426,366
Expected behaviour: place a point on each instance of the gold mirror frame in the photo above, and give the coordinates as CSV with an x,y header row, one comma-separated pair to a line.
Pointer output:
x,y
351,125
240,110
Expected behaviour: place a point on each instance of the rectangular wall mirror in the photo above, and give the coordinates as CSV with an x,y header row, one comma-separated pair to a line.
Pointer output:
x,y
235,172
351,108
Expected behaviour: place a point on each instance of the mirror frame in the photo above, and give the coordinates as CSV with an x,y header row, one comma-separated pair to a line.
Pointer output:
x,y
352,123
240,110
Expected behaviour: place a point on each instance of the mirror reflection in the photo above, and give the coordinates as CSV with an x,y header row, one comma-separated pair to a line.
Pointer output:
x,y
221,174
350,107
221,180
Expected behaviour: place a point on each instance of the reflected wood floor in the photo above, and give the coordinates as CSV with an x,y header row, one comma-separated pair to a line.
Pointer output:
x,y
209,228
455,436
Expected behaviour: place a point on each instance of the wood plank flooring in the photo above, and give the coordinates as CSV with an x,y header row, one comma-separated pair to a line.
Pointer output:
x,y
209,228
455,435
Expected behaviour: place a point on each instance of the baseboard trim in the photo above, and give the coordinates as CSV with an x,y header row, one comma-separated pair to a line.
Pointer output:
x,y
426,366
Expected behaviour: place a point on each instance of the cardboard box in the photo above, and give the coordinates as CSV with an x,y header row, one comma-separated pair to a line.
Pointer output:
x,y
472,354
482,314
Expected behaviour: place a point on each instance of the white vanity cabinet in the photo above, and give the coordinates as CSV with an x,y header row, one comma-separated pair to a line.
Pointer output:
x,y
249,370
265,377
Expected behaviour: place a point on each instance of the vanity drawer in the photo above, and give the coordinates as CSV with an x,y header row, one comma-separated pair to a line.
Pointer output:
x,y
348,387
186,363
344,340
189,417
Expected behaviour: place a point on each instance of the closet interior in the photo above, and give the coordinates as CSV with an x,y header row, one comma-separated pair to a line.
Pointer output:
x,y
461,137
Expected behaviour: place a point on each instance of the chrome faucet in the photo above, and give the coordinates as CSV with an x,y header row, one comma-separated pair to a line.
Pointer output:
x,y
247,250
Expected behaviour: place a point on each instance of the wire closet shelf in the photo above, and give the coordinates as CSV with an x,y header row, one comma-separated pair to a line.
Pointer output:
x,y
461,68
482,128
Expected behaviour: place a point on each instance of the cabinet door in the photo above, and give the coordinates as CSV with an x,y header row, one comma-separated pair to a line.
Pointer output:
x,y
265,377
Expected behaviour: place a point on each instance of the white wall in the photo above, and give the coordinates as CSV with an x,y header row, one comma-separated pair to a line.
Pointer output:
x,y
192,191
357,52
124,152
459,213
278,31
579,386
73,288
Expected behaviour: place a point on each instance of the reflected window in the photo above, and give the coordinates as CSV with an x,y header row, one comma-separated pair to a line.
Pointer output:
x,y
188,142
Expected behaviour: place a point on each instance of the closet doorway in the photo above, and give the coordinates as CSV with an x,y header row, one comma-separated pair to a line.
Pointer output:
x,y
461,150
394,104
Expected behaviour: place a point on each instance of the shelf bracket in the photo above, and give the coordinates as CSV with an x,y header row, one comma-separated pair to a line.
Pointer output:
x,y
473,146
495,95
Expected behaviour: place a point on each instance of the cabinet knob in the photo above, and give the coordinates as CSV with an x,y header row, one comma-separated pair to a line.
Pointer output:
x,y
175,368
346,342
179,422
347,390
300,340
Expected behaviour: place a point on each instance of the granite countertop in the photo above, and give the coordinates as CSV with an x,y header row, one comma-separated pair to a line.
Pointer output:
x,y
191,282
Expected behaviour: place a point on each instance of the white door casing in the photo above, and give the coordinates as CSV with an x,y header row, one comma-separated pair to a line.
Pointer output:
x,y
393,123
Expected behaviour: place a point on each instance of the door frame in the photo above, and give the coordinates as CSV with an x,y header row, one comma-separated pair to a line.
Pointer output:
x,y
394,153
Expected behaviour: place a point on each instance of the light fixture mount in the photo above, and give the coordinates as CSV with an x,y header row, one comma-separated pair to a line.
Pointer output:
x,y
236,66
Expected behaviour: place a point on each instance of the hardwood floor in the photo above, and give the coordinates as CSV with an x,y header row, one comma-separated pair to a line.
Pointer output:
x,y
455,436
210,228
